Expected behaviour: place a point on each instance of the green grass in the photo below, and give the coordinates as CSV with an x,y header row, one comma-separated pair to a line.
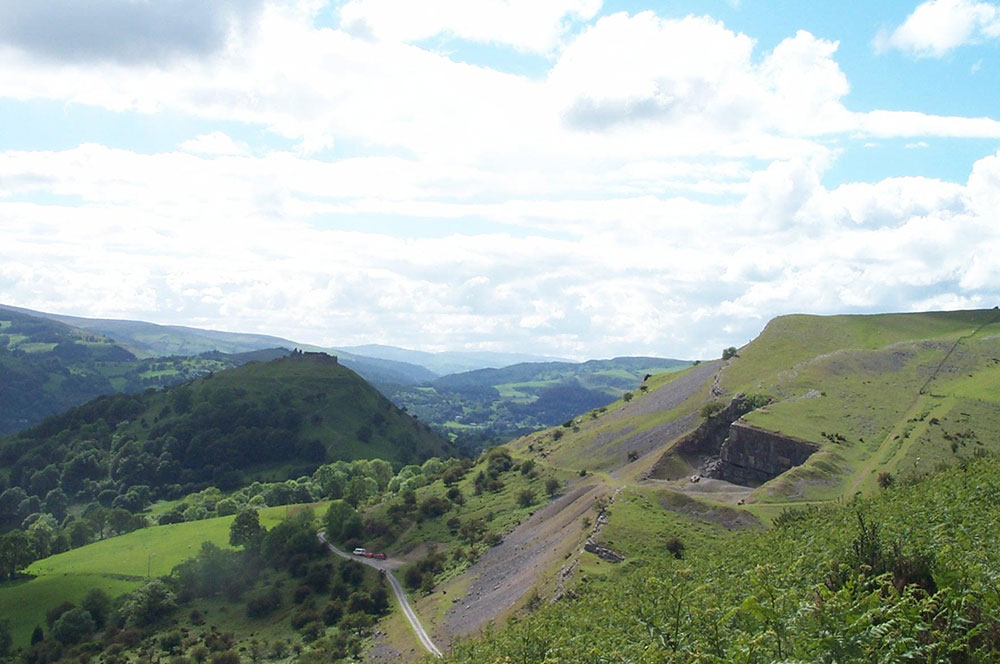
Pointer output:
x,y
798,592
117,565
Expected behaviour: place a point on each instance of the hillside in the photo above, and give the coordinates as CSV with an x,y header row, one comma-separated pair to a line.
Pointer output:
x,y
265,420
825,493
509,401
905,576
895,393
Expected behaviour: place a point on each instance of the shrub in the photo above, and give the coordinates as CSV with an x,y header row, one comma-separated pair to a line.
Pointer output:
x,y
711,408
676,547
413,577
552,486
434,506
264,603
332,612
526,498
729,353
302,618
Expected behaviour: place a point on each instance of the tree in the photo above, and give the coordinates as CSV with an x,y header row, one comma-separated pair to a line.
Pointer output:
x,y
56,503
246,530
729,353
148,603
73,626
338,516
627,396
552,486
526,498
359,623
98,604
472,530
16,552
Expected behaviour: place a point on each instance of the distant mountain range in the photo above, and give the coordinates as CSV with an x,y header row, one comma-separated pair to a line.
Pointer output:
x,y
376,363
52,362
447,362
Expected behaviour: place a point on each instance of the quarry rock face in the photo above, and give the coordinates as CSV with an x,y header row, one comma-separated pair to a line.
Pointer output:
x,y
750,456
725,447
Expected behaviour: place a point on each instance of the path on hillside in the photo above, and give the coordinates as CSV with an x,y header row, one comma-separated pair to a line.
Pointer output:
x,y
386,567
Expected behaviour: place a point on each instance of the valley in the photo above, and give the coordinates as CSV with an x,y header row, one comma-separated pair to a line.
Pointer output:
x,y
831,458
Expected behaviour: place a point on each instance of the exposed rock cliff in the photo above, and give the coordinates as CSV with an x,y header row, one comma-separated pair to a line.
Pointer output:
x,y
725,448
750,456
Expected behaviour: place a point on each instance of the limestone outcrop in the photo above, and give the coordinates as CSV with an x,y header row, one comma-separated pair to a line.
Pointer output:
x,y
750,456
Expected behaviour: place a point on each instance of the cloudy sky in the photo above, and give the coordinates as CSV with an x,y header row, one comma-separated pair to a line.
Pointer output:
x,y
568,177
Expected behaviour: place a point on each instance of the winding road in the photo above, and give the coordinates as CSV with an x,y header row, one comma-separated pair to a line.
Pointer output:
x,y
385,566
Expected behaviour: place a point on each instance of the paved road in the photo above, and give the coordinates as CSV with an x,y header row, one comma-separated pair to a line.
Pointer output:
x,y
386,566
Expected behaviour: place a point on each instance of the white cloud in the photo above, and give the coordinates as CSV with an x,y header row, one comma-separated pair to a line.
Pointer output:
x,y
659,191
527,25
937,27
215,143
218,241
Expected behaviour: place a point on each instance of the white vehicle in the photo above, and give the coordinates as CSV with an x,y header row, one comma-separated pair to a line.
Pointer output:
x,y
359,551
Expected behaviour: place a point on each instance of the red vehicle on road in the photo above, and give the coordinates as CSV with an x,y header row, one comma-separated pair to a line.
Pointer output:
x,y
369,554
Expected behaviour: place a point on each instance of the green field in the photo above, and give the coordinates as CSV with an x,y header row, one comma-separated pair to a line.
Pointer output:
x,y
116,565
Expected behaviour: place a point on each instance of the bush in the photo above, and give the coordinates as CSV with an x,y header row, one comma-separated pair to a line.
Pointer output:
x,y
413,578
552,486
711,408
264,603
301,594
526,498
676,547
434,506
332,612
729,353
303,618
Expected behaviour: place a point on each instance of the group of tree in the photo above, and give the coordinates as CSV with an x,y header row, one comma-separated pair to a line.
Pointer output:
x,y
333,602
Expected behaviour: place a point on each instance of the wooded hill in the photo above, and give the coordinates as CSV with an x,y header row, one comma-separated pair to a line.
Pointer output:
x,y
265,420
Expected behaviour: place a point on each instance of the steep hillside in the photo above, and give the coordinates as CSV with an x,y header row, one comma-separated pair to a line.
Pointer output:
x,y
904,576
267,420
502,403
834,401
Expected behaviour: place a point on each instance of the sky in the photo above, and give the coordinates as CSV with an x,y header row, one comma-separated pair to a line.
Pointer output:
x,y
572,178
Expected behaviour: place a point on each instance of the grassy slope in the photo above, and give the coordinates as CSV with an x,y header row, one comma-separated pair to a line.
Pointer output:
x,y
866,379
763,596
117,565
597,439
856,376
